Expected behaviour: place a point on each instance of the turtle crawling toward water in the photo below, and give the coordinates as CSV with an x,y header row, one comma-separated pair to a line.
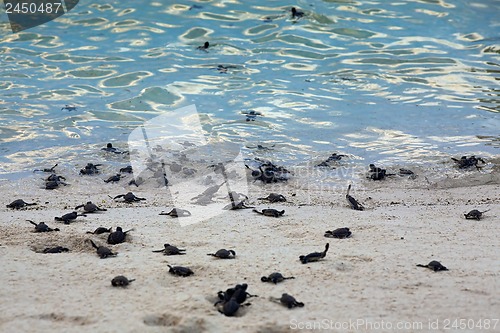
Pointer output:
x,y
434,265
237,205
67,218
340,233
90,169
20,203
275,278
114,179
170,250
102,251
232,299
315,256
475,214
466,162
353,202
57,249
288,301
274,197
270,212
118,236
121,281
90,207
129,197
51,170
223,254
177,212
99,230
180,271
42,227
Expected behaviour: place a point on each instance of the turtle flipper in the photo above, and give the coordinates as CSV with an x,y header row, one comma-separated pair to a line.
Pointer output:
x,y
93,244
32,222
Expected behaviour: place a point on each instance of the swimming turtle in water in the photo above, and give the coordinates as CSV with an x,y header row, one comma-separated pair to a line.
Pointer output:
x,y
353,202
67,218
275,278
90,207
274,197
42,227
204,47
121,281
339,233
288,301
127,169
296,13
69,108
475,214
110,149
102,251
170,250
177,212
99,230
118,236
113,179
315,256
90,169
20,203
129,197
435,266
223,254
180,271
51,170
466,162
57,249
270,212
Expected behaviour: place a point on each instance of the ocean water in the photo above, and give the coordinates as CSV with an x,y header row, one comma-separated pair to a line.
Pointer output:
x,y
385,82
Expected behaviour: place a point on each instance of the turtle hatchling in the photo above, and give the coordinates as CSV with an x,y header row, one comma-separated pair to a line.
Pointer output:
x,y
223,254
99,230
274,197
51,170
170,250
466,162
339,233
177,212
118,236
42,227
288,301
19,203
275,278
90,169
435,266
90,207
315,256
67,218
121,281
353,202
57,249
129,197
113,179
102,251
270,212
180,271
475,214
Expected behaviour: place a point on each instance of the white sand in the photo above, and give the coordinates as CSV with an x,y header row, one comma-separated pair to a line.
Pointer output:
x,y
369,277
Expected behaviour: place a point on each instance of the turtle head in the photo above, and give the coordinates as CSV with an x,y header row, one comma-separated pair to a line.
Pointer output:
x,y
119,229
264,279
109,145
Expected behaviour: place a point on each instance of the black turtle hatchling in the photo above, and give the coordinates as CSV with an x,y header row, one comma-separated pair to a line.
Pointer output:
x,y
90,169
288,301
353,202
296,13
339,233
51,170
275,278
57,249
102,251
127,169
118,236
90,207
170,250
42,227
467,162
114,179
19,203
475,214
315,256
435,266
129,197
223,254
99,230
177,212
121,281
67,218
180,271
270,212
274,197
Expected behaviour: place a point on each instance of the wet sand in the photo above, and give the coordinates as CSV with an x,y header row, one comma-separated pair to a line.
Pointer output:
x,y
368,282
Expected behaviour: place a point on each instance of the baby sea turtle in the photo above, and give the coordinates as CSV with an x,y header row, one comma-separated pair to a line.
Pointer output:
x,y
177,212
288,301
270,212
121,281
180,271
53,182
19,203
67,218
339,233
237,205
315,256
113,179
223,254
475,214
353,202
51,170
170,250
118,236
57,249
110,149
229,308
296,13
129,197
238,293
274,197
377,173
127,169
275,278
90,169
42,227
69,108
209,192
90,207
100,230
435,266
466,162
102,251
204,47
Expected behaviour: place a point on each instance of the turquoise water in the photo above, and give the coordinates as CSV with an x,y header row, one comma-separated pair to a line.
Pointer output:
x,y
385,82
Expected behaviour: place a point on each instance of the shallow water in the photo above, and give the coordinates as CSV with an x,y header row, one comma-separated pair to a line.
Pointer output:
x,y
394,83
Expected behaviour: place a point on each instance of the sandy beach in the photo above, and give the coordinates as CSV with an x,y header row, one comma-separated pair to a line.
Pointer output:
x,y
367,283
